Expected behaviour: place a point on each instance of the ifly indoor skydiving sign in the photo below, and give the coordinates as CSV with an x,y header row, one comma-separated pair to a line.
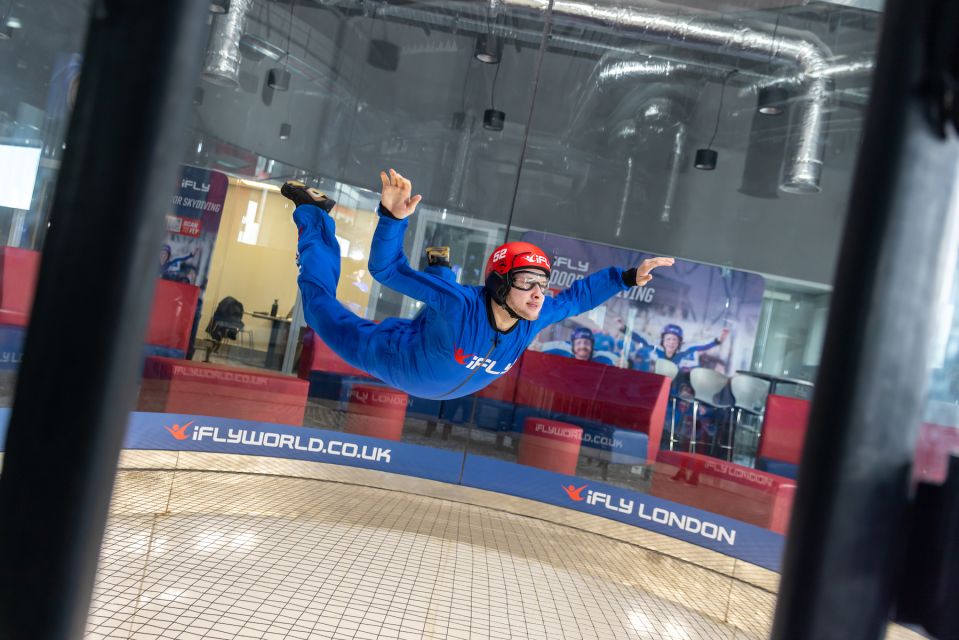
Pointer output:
x,y
176,432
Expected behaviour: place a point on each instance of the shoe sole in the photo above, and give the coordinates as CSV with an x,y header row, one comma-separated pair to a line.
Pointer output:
x,y
301,194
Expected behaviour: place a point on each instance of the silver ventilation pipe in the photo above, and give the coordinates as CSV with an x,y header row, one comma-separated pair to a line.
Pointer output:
x,y
222,65
655,116
675,164
854,68
612,74
607,77
804,167
454,196
627,192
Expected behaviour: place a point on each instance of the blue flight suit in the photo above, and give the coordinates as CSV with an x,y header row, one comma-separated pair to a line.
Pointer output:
x,y
448,353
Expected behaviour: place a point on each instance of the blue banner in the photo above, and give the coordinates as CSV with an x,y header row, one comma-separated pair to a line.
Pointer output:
x,y
730,537
175,432
11,346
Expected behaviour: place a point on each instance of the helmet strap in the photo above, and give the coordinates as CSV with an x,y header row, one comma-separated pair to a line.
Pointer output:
x,y
512,314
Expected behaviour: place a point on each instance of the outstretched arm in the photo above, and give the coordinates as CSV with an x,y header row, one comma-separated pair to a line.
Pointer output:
x,y
709,345
388,263
396,196
599,287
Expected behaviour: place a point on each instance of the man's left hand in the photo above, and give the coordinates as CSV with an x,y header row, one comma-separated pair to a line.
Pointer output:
x,y
397,196
645,268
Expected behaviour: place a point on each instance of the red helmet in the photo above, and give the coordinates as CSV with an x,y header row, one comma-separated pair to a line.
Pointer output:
x,y
509,258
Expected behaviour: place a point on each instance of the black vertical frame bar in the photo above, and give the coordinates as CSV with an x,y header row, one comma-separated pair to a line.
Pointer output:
x,y
83,349
847,529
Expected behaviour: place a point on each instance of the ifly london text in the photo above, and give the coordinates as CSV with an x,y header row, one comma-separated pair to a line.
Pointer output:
x,y
290,441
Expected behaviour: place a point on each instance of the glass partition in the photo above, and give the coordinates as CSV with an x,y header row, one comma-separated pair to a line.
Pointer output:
x,y
726,141
604,135
41,50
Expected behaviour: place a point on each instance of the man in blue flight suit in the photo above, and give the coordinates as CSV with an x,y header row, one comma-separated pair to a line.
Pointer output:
x,y
473,335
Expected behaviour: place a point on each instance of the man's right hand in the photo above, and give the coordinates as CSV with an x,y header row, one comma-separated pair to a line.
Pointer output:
x,y
396,195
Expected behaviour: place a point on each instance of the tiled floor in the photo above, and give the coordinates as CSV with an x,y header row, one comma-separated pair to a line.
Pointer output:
x,y
244,556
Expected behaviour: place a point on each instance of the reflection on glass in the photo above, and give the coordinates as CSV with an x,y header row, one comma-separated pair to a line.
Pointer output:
x,y
693,390
40,62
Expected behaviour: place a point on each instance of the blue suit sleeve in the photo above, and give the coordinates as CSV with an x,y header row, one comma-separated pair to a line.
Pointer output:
x,y
641,341
584,295
389,266
701,347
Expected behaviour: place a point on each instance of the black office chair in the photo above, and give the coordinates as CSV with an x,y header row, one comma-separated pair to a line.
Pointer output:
x,y
227,324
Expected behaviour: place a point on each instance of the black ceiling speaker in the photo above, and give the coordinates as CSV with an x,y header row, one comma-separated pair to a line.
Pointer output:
x,y
285,130
488,49
772,101
706,159
278,78
493,120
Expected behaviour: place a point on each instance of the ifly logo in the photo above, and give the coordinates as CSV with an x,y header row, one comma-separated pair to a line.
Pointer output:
x,y
598,497
192,184
473,361
621,505
485,363
575,493
179,432
258,438
657,515
532,259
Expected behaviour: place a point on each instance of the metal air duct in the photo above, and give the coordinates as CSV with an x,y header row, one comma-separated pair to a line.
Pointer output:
x,y
804,166
222,65
656,116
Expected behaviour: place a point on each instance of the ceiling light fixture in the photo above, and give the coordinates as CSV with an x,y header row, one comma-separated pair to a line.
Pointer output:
x,y
488,48
278,79
772,101
707,158
493,119
10,23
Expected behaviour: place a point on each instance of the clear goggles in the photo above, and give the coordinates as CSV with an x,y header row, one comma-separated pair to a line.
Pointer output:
x,y
525,281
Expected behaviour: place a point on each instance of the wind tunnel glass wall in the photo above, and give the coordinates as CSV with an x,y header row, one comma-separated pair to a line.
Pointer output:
x,y
678,407
371,87
41,50
688,399
727,141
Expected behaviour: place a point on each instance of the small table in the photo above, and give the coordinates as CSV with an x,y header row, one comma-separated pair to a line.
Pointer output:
x,y
273,355
774,380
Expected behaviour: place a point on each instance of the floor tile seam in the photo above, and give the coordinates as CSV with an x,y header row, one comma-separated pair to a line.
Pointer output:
x,y
577,529
395,505
235,599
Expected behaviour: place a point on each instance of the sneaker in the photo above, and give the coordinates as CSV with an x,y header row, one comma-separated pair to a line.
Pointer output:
x,y
438,256
299,193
